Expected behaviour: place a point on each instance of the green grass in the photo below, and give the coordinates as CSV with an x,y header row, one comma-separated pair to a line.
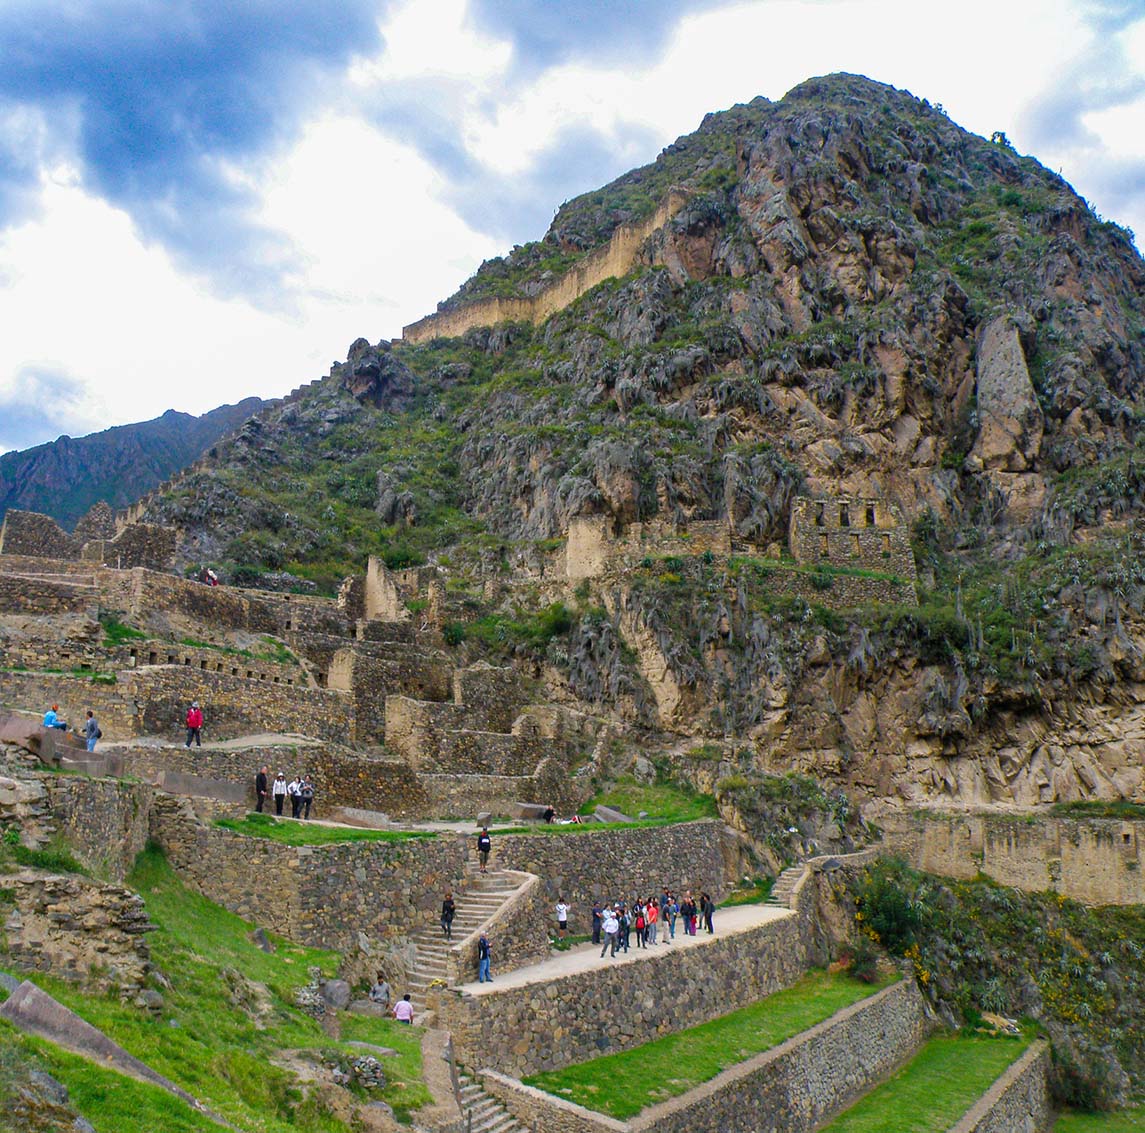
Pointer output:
x,y
116,632
934,1089
754,893
207,1040
1120,809
1124,1121
299,833
623,1084
661,801
559,945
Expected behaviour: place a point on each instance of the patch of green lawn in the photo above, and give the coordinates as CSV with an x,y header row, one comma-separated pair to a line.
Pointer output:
x,y
1124,1121
297,833
212,1039
623,1084
932,1091
661,801
754,893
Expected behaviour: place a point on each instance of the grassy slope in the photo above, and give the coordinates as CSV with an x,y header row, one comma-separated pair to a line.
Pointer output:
x,y
623,1084
934,1089
206,1041
1128,1121
301,833
659,800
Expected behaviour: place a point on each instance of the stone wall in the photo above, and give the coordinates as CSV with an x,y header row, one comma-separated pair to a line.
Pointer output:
x,y
371,679
789,1089
137,545
323,896
77,929
448,751
113,704
524,1030
588,865
468,795
492,695
37,536
1018,1102
847,531
342,778
215,661
46,596
615,259
104,821
1097,861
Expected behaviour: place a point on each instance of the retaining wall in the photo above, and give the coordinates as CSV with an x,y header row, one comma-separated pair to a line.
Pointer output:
x,y
104,821
789,1089
1100,861
1018,1102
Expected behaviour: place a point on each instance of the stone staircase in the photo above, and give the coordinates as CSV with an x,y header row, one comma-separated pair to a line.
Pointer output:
x,y
784,888
477,898
484,1114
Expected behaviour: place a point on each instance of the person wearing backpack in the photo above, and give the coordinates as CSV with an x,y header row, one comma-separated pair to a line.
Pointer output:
x,y
91,731
306,793
484,959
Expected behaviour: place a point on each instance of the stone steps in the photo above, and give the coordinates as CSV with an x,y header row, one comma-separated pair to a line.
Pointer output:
x,y
784,888
484,1114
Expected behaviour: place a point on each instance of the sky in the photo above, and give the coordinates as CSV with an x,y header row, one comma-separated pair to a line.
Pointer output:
x,y
204,200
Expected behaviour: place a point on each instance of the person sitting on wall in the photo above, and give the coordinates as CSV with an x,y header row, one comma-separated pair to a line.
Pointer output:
x,y
52,719
548,814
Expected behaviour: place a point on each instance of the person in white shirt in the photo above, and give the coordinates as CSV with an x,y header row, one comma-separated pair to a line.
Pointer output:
x,y
562,918
279,792
610,927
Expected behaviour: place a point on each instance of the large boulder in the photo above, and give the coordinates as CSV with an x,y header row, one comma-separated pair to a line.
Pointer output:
x,y
1010,422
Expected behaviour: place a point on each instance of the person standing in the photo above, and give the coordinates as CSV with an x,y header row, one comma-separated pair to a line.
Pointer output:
x,y
195,724
261,786
306,795
279,792
403,1010
610,925
652,916
640,924
380,992
708,908
448,911
91,731
484,845
562,917
597,920
484,960
294,792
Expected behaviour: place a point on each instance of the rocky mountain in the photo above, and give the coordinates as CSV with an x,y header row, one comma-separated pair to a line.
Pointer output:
x,y
64,477
858,299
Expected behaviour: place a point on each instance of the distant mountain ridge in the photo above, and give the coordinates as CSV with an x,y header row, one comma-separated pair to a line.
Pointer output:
x,y
64,477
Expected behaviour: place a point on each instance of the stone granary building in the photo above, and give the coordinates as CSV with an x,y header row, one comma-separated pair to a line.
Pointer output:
x,y
845,531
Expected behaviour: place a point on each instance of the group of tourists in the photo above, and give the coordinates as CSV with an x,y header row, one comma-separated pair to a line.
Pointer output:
x,y
91,730
648,921
300,792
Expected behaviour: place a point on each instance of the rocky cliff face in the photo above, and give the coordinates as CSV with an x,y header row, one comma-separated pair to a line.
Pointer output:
x,y
65,477
859,299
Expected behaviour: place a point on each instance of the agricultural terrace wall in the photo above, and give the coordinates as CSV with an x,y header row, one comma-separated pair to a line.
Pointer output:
x,y
369,681
467,795
1018,1102
586,865
234,664
789,1089
494,694
104,821
1098,861
342,778
12,563
617,258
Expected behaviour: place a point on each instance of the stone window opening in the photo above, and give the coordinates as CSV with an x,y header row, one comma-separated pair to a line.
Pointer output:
x,y
844,516
203,665
819,515
870,515
152,658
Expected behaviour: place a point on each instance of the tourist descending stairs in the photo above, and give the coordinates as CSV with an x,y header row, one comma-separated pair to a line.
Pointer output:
x,y
477,898
484,1114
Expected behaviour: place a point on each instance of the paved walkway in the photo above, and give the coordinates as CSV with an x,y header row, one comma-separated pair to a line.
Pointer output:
x,y
586,957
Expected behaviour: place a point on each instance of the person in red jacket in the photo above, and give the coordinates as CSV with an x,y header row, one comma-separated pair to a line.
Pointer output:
x,y
195,724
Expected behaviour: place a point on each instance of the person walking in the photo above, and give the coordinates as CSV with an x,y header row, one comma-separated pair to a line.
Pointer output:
x,y
403,1010
484,960
91,731
261,786
610,925
484,846
448,911
279,792
306,795
294,791
194,724
562,917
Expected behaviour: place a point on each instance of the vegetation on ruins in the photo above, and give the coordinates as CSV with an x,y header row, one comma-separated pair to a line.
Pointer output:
x,y
976,946
294,833
624,1083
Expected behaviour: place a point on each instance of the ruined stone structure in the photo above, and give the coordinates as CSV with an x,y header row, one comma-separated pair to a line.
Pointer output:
x,y
849,532
618,257
27,533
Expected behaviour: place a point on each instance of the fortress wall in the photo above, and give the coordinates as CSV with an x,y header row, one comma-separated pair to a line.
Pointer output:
x,y
113,704
138,545
46,596
104,821
13,563
341,777
36,536
1093,860
146,653
617,258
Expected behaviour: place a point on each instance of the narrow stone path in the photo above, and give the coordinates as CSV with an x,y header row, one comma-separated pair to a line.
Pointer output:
x,y
586,957
484,1114
784,888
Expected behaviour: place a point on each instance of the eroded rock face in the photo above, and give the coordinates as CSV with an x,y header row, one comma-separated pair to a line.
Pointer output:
x,y
374,375
78,929
1010,422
